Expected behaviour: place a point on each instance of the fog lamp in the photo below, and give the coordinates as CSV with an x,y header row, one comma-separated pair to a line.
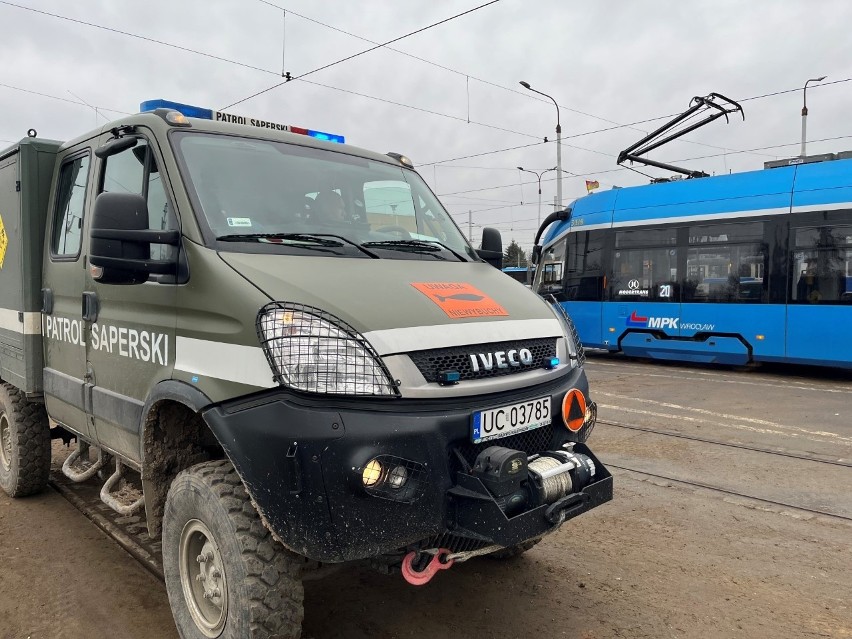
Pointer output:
x,y
372,473
397,477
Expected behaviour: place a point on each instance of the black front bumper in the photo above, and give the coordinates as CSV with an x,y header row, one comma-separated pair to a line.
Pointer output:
x,y
301,459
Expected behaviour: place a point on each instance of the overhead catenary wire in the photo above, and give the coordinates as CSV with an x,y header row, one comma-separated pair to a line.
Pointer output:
x,y
468,77
220,58
269,71
590,173
135,35
525,94
503,207
223,59
61,99
360,53
728,151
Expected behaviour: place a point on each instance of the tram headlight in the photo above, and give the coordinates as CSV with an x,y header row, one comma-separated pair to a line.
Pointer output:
x,y
313,351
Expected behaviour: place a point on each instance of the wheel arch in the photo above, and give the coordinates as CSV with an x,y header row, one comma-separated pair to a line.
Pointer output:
x,y
174,436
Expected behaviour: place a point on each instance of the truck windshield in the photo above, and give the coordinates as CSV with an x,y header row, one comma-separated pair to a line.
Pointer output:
x,y
263,191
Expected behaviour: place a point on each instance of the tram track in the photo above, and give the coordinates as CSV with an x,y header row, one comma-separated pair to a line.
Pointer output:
x,y
733,493
758,449
625,465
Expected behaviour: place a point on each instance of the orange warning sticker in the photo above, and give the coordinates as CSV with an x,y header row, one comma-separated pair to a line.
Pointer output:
x,y
574,410
459,300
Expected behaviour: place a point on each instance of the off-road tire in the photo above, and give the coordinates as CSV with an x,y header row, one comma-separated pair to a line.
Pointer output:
x,y
262,578
25,436
513,551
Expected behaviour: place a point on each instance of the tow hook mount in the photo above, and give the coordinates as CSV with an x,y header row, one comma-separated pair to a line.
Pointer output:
x,y
417,577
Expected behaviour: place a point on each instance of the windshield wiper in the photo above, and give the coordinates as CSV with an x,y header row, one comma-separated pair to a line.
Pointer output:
x,y
408,246
415,246
305,238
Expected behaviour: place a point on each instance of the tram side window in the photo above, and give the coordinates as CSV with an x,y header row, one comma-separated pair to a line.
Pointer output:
x,y
551,269
726,263
584,266
822,265
645,266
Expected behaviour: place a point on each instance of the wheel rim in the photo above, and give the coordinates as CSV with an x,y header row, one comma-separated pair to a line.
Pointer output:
x,y
5,442
202,577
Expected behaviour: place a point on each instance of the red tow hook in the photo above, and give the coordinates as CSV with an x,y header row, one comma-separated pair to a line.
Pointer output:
x,y
422,577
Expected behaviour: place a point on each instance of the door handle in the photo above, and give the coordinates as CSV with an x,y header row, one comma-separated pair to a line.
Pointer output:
x,y
46,301
90,306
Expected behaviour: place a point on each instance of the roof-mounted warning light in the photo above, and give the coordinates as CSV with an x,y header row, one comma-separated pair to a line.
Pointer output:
x,y
176,113
399,157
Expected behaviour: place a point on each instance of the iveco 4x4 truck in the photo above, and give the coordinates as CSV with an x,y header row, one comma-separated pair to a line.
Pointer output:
x,y
289,349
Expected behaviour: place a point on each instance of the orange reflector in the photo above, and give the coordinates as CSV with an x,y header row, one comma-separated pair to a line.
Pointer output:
x,y
574,410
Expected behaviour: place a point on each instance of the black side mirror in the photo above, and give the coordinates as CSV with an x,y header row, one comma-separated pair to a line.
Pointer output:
x,y
492,247
115,146
121,241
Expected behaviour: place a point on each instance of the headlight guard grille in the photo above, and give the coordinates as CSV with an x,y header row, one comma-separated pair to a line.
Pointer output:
x,y
311,350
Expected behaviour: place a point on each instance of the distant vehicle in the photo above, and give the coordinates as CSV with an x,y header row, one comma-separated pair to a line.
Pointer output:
x,y
517,273
731,269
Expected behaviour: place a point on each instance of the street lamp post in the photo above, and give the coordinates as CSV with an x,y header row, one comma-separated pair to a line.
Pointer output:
x,y
805,110
538,177
526,85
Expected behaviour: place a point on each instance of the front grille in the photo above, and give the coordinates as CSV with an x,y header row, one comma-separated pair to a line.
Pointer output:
x,y
532,441
430,363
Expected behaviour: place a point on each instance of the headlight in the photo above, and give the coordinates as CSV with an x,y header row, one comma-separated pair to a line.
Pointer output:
x,y
311,350
572,338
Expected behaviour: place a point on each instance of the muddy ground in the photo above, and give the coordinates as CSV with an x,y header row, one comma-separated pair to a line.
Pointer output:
x,y
662,560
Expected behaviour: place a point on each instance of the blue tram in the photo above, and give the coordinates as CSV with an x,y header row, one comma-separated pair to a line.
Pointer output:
x,y
730,269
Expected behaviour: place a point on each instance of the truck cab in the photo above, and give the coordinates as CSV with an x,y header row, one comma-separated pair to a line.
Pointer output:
x,y
286,351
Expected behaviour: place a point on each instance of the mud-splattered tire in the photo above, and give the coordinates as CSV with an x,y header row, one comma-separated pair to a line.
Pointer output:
x,y
513,551
226,576
24,444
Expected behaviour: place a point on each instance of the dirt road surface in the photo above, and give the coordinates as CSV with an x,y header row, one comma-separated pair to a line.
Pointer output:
x,y
664,559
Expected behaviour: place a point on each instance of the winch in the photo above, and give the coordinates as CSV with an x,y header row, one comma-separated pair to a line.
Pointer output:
x,y
518,482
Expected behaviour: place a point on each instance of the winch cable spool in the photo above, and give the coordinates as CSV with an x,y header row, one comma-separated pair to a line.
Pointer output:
x,y
553,486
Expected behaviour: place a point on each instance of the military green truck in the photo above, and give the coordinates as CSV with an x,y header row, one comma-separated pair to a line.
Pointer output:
x,y
283,350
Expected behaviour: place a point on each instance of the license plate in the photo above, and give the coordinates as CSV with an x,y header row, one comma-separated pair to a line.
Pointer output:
x,y
510,420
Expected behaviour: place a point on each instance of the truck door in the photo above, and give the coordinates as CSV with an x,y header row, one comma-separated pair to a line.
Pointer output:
x,y
63,277
131,327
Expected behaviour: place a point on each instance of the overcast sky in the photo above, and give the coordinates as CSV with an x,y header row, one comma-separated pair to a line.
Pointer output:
x,y
449,97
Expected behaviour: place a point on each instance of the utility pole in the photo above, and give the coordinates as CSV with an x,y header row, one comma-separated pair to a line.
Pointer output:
x,y
805,110
527,86
470,226
538,178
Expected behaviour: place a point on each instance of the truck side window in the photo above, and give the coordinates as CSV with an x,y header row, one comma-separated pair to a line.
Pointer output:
x,y
70,200
135,171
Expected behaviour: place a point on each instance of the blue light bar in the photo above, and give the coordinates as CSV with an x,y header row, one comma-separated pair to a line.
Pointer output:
x,y
329,137
220,116
187,109
551,363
